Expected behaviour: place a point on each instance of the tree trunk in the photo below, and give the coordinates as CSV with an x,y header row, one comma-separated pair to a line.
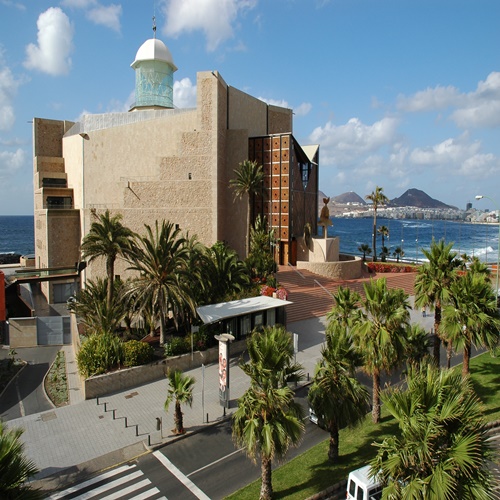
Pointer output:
x,y
266,488
374,236
162,328
179,429
449,352
110,271
466,361
376,398
333,450
437,338
249,222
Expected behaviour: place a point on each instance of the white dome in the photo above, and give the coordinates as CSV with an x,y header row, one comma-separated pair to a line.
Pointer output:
x,y
154,50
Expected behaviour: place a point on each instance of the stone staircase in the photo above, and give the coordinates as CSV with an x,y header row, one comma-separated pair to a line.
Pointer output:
x,y
311,293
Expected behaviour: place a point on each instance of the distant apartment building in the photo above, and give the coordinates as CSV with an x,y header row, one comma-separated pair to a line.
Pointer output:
x,y
157,162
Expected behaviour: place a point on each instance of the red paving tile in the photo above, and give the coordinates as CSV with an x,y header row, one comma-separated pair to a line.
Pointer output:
x,y
311,293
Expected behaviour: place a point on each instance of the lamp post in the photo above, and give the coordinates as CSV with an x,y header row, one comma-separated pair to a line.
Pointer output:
x,y
480,197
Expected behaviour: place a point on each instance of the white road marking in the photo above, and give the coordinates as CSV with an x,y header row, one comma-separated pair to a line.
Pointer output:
x,y
21,405
215,462
113,484
180,476
129,489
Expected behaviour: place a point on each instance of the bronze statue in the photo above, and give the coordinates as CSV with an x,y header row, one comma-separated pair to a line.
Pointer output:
x,y
324,217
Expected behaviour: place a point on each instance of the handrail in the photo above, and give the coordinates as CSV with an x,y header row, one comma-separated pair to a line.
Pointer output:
x,y
297,271
325,289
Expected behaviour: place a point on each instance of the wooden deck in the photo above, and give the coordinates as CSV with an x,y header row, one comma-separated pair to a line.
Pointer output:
x,y
311,293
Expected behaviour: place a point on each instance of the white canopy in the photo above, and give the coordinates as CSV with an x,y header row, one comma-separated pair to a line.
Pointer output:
x,y
217,312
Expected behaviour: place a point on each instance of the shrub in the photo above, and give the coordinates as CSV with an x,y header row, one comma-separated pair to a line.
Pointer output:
x,y
100,353
182,345
137,353
385,267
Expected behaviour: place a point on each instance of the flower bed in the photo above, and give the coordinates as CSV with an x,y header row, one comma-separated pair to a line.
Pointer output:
x,y
390,267
269,291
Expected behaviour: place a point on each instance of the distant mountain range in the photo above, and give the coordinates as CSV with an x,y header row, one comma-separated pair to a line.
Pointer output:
x,y
411,198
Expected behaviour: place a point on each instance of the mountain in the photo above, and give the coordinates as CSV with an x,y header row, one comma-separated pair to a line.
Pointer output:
x,y
417,198
349,198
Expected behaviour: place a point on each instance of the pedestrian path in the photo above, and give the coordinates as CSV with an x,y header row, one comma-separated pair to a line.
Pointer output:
x,y
126,482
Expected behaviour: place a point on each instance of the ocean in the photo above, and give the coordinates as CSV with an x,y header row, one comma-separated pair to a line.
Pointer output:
x,y
479,240
17,234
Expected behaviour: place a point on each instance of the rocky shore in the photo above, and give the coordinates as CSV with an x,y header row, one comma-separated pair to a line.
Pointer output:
x,y
9,258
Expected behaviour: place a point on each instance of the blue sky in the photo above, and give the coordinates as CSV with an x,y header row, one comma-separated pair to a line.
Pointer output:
x,y
398,93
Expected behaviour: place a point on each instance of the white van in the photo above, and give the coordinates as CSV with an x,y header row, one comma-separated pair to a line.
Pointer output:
x,y
361,487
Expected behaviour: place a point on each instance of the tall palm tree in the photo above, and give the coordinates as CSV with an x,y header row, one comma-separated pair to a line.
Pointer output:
x,y
441,450
377,198
346,310
15,468
432,284
248,182
161,258
384,232
380,334
107,238
335,394
471,318
181,392
268,420
365,250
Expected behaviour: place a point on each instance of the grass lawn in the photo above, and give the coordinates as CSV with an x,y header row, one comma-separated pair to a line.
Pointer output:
x,y
312,472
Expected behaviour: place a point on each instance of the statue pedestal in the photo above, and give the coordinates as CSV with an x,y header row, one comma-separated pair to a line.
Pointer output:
x,y
324,250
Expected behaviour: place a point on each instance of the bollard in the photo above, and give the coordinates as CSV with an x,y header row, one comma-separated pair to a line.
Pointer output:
x,y
97,399
207,418
136,429
114,414
149,439
126,422
308,376
158,424
105,407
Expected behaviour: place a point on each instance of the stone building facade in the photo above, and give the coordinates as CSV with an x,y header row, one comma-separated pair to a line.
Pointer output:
x,y
158,163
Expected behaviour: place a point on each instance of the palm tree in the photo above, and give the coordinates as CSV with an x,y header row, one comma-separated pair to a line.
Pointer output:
x,y
91,306
107,238
441,450
384,232
346,311
417,345
260,260
271,357
248,181
398,253
432,284
336,396
471,318
161,258
268,420
181,392
365,249
377,198
380,334
15,468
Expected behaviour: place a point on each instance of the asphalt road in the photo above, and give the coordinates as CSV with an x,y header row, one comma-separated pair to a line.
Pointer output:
x,y
206,465
25,395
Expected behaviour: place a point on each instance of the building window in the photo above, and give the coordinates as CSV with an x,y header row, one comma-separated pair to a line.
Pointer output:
x,y
305,172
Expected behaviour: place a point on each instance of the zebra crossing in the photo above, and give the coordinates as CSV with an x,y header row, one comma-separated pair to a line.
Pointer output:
x,y
126,482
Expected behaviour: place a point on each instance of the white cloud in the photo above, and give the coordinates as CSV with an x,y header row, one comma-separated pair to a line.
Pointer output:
x,y
344,144
213,17
429,99
10,162
106,16
16,5
184,94
8,90
302,109
480,108
276,102
55,43
451,151
78,4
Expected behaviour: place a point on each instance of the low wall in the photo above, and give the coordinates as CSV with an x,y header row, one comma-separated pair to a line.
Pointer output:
x,y
128,378
22,332
341,269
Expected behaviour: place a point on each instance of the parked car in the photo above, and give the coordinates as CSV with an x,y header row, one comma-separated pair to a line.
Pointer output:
x,y
315,419
360,486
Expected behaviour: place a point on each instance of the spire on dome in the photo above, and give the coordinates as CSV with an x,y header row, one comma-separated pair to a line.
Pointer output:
x,y
154,26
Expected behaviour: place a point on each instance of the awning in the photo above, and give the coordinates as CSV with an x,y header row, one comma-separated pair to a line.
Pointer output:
x,y
217,312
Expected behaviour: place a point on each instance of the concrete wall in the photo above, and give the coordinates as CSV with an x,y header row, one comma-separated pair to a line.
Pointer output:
x,y
127,378
344,270
22,332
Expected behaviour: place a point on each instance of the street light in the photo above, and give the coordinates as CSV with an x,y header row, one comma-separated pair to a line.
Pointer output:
x,y
480,197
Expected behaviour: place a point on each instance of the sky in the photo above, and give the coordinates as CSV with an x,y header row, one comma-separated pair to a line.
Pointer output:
x,y
398,93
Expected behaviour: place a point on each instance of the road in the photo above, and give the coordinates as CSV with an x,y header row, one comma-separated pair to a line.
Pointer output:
x,y
25,395
205,465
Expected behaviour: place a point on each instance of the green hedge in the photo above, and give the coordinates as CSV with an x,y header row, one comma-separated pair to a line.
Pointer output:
x,y
137,353
101,352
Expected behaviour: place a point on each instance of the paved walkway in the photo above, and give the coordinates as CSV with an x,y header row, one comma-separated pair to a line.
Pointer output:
x,y
89,435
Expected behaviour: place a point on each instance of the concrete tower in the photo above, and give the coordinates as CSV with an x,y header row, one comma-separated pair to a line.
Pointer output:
x,y
154,76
